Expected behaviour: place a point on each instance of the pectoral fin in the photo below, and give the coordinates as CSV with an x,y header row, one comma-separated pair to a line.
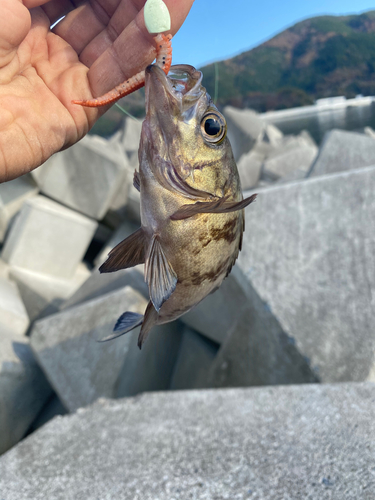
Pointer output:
x,y
129,253
126,322
137,181
159,274
220,206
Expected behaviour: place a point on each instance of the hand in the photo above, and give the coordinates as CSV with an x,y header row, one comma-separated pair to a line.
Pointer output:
x,y
94,48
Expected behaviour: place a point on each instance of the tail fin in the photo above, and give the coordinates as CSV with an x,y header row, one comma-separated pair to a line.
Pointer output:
x,y
126,322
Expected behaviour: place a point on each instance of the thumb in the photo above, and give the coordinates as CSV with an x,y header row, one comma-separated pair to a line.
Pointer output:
x,y
14,26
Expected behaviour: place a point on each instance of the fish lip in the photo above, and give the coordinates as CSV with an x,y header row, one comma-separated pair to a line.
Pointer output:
x,y
155,74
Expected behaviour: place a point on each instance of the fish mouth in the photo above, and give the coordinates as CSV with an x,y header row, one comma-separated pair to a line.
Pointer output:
x,y
181,89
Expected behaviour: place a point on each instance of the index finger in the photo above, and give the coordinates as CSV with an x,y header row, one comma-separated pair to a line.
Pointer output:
x,y
132,50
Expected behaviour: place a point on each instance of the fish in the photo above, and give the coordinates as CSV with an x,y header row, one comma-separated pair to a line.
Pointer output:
x,y
192,208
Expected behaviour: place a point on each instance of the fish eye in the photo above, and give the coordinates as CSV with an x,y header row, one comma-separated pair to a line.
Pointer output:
x,y
213,127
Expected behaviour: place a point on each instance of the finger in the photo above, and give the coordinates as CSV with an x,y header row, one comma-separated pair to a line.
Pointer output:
x,y
124,15
30,4
132,51
90,32
83,24
14,30
56,9
124,43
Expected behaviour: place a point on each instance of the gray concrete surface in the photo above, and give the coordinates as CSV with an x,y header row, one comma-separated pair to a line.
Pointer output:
x,y
79,368
48,238
86,177
194,360
42,294
249,168
244,129
13,314
308,251
12,196
23,388
342,150
314,442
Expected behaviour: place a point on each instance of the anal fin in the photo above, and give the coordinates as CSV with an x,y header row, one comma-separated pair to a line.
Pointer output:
x,y
149,321
159,274
126,322
129,253
220,206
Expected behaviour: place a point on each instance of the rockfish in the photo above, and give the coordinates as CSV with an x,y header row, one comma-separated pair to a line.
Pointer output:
x,y
192,216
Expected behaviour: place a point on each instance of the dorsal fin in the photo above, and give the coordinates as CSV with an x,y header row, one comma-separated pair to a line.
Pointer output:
x,y
129,253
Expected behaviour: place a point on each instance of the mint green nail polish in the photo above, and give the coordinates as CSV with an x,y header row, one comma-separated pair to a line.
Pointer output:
x,y
157,18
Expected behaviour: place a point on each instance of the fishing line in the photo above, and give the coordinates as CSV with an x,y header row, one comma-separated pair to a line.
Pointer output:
x,y
216,82
126,112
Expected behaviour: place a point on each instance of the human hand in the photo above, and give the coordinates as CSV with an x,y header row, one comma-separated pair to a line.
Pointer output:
x,y
95,47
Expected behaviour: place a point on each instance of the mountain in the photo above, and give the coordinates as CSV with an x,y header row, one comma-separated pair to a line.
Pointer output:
x,y
319,57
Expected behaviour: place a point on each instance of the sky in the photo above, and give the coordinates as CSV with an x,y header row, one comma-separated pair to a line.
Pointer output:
x,y
218,29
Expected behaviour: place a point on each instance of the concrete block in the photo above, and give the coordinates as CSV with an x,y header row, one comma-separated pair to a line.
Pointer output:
x,y
296,175
215,316
287,161
249,167
341,151
101,236
195,358
103,233
244,129
116,137
134,205
120,200
257,351
87,176
307,137
308,252
150,369
13,314
122,232
269,140
131,135
79,368
42,294
12,196
370,132
272,135
4,269
100,284
254,350
311,442
48,238
23,388
133,159
291,154
126,205
52,408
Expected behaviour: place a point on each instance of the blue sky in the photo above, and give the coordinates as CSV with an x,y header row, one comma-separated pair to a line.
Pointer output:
x,y
218,29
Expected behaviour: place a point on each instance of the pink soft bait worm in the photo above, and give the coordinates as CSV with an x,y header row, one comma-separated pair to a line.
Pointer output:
x,y
163,60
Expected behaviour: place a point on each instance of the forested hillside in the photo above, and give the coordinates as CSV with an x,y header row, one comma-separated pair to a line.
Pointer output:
x,y
319,57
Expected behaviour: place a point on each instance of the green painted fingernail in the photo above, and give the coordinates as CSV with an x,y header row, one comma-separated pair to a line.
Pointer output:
x,y
157,18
